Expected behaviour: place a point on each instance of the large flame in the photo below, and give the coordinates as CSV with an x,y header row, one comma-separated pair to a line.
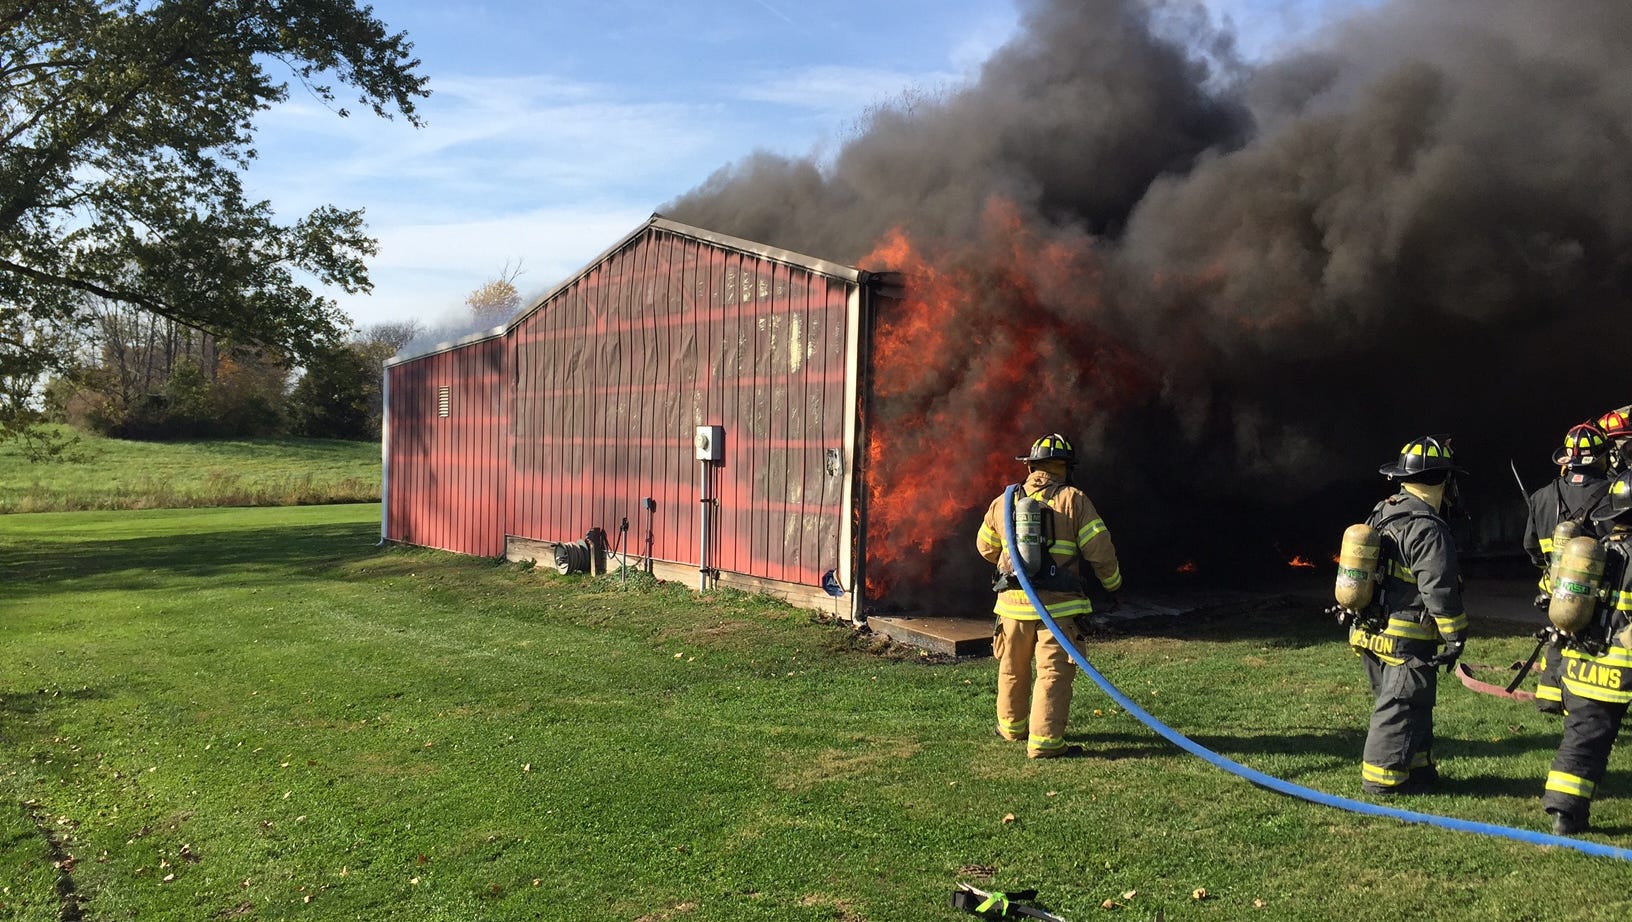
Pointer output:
x,y
996,343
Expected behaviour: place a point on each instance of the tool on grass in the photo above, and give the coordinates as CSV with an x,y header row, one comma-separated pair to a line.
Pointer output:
x,y
999,904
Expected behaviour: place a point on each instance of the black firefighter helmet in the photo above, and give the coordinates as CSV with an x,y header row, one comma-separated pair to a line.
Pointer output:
x,y
1617,502
1052,447
1427,458
1584,446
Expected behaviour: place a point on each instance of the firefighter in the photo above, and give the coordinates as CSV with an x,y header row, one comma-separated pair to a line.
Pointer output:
x,y
1617,428
1418,607
1597,675
1575,494
1036,710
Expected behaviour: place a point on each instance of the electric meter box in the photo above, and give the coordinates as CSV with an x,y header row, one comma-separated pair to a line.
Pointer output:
x,y
710,442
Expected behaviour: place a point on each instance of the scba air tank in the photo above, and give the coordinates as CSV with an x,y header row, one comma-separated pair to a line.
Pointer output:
x,y
1575,582
1565,532
1031,517
1357,566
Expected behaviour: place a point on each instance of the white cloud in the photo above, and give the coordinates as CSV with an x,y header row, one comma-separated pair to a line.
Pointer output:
x,y
840,92
424,271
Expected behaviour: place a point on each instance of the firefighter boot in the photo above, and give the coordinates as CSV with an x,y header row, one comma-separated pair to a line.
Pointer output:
x,y
1568,824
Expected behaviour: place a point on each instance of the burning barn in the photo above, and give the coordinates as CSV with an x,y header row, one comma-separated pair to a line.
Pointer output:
x,y
1238,286
689,402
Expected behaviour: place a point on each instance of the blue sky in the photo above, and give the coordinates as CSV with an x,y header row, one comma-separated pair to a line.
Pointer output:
x,y
554,129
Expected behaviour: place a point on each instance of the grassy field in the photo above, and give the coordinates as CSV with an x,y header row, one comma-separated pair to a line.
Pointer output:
x,y
257,714
101,473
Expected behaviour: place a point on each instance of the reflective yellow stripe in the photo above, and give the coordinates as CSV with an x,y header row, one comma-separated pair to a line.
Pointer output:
x,y
1614,656
1546,545
1410,630
1012,603
1400,572
1573,785
1090,531
1012,728
1623,601
1549,693
1112,582
990,535
1377,774
1046,743
1063,546
1451,624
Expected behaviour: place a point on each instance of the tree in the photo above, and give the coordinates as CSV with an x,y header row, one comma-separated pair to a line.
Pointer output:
x,y
334,399
124,127
496,301
340,395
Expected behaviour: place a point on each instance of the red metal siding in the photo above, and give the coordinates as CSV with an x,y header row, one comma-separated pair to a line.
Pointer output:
x,y
448,475
616,370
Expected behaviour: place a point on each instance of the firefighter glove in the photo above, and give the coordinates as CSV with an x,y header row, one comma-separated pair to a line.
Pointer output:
x,y
1448,656
1541,601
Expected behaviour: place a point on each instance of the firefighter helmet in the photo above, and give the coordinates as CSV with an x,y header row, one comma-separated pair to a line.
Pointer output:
x,y
1584,445
1421,458
1617,502
1053,447
1616,424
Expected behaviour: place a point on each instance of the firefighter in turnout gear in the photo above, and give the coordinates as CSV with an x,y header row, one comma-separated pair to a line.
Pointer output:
x,y
1616,425
1575,495
1597,675
1417,608
1067,530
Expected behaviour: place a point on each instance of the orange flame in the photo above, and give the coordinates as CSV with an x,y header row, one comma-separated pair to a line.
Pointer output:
x,y
1189,566
1298,561
995,343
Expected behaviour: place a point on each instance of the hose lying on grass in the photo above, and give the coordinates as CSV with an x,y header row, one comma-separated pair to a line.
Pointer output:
x,y
1257,777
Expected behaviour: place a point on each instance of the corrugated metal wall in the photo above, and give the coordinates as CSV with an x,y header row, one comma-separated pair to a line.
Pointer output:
x,y
614,372
448,475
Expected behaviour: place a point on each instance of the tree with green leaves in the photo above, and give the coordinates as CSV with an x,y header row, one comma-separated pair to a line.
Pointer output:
x,y
125,126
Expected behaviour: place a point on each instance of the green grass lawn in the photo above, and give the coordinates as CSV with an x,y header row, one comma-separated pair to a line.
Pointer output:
x,y
102,473
257,714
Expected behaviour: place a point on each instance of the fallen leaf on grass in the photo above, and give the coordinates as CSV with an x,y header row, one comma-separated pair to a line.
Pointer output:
x,y
1108,904
1259,904
414,881
1130,894
168,878
1200,893
1008,818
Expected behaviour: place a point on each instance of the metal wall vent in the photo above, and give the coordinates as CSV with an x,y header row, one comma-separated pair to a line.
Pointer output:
x,y
444,400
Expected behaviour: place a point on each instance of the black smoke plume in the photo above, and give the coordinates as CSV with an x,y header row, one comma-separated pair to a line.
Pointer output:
x,y
1419,223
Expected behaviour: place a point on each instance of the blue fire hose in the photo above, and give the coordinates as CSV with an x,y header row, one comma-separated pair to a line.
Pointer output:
x,y
1258,777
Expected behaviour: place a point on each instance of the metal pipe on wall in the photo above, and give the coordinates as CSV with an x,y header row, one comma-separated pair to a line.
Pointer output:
x,y
702,544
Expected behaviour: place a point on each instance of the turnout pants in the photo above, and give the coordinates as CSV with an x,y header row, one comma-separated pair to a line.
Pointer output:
x,y
1589,732
1549,685
1028,708
1400,741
